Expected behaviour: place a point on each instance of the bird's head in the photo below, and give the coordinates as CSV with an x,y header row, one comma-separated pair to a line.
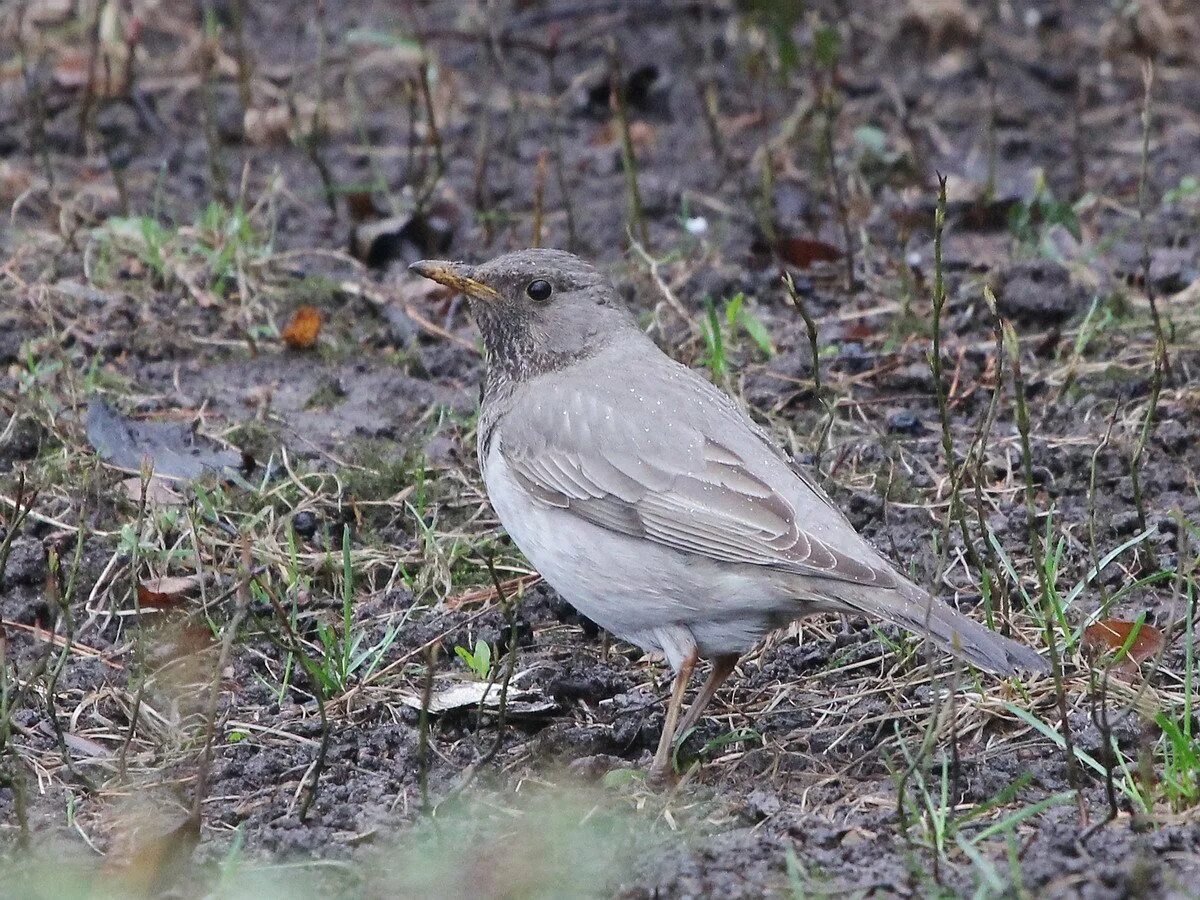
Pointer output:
x,y
536,309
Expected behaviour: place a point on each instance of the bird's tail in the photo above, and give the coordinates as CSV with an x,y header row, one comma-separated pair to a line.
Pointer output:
x,y
914,609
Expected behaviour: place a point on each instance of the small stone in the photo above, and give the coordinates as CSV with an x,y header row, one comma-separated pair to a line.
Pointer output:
x,y
1039,289
26,563
856,359
596,766
762,803
305,524
1124,522
864,508
904,421
24,440
1172,268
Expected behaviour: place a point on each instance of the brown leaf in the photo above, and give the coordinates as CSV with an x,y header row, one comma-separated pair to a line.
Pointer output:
x,y
302,332
1110,635
361,207
164,593
803,252
859,332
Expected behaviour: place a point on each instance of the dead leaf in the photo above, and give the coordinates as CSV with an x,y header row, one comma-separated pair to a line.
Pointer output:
x,y
158,491
1111,635
803,252
166,592
360,205
173,451
469,694
302,332
88,750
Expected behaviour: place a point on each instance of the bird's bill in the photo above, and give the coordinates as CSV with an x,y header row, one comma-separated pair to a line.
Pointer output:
x,y
458,276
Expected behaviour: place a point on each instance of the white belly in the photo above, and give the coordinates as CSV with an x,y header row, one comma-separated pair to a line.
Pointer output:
x,y
640,591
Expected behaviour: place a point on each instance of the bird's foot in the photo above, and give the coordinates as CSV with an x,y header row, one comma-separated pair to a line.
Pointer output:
x,y
661,777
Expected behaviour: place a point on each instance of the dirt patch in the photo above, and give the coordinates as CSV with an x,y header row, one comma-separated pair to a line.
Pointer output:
x,y
161,240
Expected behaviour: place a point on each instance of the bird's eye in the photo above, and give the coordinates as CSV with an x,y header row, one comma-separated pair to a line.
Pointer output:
x,y
539,290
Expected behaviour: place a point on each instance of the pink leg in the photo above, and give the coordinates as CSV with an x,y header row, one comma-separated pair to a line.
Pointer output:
x,y
722,666
661,767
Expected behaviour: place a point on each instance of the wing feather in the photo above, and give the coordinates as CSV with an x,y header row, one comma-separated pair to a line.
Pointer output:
x,y
707,483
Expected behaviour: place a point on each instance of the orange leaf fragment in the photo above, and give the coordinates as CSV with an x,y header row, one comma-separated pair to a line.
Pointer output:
x,y
164,593
1110,635
302,332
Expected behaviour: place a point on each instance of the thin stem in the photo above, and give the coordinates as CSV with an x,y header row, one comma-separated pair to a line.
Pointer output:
x,y
1038,550
628,160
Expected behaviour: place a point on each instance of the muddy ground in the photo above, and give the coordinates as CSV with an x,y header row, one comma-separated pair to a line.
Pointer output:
x,y
299,711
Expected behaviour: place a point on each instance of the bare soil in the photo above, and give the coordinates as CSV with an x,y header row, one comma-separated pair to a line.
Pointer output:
x,y
145,753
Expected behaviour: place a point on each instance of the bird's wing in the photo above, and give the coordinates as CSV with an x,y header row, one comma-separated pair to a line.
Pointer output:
x,y
679,465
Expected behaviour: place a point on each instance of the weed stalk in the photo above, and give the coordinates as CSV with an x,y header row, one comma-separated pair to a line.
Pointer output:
x,y
431,654
810,326
829,108
616,98
1038,550
539,196
560,166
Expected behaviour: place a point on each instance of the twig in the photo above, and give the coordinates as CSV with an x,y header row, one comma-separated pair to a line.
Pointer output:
x,y
310,135
955,471
63,596
295,646
435,136
1143,198
237,13
510,609
616,99
560,166
663,288
838,192
88,102
809,325
208,55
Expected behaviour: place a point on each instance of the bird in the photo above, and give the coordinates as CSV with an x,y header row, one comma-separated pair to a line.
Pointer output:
x,y
651,501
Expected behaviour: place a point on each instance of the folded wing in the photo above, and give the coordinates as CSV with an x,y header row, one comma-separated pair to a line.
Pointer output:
x,y
698,480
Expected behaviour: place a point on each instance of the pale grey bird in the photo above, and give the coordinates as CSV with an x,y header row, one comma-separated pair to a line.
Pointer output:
x,y
651,501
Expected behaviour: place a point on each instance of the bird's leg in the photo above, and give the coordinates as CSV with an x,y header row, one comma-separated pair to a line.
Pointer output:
x,y
662,756
722,666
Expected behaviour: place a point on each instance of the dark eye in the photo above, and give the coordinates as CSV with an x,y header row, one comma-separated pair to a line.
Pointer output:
x,y
539,290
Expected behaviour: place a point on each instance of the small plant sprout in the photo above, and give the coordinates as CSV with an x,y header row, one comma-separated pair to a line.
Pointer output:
x,y
720,330
478,661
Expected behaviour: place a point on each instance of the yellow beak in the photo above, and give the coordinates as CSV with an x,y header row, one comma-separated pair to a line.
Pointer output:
x,y
458,276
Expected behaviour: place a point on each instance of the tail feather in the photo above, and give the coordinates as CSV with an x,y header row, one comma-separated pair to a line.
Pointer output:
x,y
914,609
